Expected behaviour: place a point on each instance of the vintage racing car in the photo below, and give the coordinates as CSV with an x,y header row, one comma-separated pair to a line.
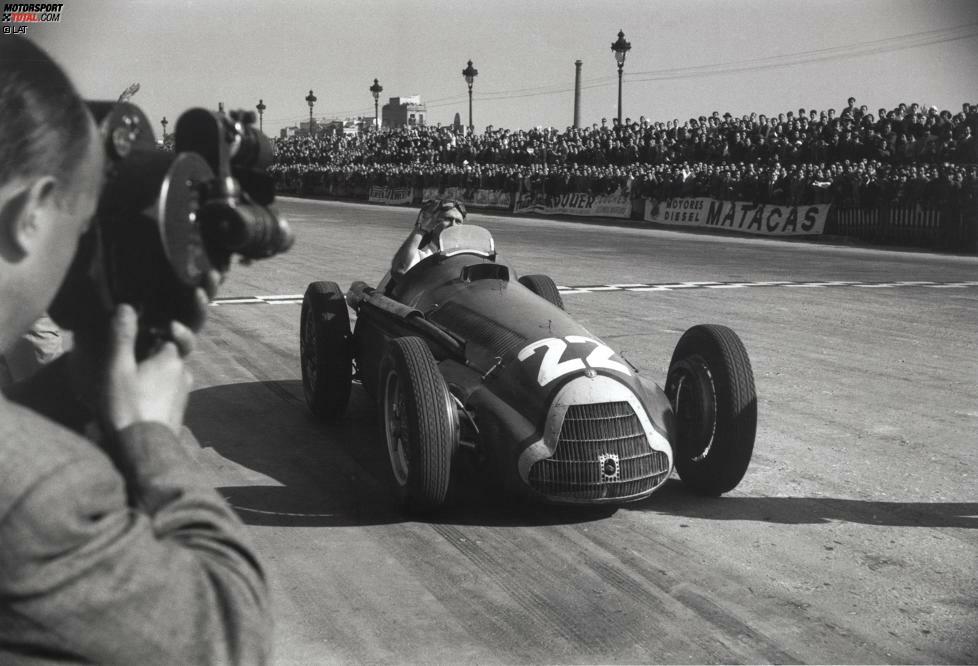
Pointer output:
x,y
463,356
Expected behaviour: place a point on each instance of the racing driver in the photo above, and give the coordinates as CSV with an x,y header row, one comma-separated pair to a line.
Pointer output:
x,y
436,215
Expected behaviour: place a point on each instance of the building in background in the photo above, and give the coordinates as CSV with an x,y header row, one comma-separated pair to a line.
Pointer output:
x,y
359,125
401,111
334,127
302,129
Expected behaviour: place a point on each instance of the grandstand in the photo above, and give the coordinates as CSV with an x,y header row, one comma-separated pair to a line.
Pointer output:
x,y
910,156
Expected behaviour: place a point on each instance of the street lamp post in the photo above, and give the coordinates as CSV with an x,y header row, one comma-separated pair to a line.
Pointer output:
x,y
376,89
470,73
620,47
261,112
311,100
164,123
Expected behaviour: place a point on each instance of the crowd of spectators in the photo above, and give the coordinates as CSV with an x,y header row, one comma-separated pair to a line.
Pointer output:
x,y
910,154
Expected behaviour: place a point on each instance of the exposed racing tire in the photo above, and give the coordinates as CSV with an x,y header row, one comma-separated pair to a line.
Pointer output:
x,y
420,424
325,350
544,287
711,388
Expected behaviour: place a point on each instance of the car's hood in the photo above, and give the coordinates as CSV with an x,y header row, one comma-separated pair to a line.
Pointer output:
x,y
528,347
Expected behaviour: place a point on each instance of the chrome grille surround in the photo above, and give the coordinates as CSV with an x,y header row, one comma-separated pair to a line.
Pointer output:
x,y
598,446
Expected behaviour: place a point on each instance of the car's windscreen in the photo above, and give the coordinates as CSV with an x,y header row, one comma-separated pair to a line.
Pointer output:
x,y
466,238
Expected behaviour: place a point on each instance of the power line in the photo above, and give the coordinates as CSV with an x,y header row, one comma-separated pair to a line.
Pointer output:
x,y
837,53
770,62
875,47
896,43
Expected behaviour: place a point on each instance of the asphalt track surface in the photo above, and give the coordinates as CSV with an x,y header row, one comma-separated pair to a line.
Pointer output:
x,y
852,539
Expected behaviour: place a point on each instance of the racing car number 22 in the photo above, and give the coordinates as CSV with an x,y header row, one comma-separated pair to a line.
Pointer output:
x,y
552,367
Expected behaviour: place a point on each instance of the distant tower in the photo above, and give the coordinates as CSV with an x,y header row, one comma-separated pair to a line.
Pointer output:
x,y
458,120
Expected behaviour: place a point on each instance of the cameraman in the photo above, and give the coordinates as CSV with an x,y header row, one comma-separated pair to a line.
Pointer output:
x,y
111,551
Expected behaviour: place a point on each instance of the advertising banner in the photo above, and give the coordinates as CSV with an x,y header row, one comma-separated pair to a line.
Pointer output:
x,y
483,198
750,218
392,196
577,203
478,198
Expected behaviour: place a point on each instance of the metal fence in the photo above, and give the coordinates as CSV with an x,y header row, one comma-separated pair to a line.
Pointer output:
x,y
952,227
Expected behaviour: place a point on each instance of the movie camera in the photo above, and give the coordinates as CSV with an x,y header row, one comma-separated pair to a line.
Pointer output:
x,y
166,220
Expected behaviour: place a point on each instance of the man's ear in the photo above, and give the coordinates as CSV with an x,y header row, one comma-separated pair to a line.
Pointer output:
x,y
14,206
22,212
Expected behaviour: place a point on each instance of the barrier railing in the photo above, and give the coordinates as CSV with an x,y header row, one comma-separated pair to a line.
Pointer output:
x,y
950,227
953,226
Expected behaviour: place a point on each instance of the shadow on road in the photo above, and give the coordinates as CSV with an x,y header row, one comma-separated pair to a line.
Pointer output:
x,y
338,475
672,499
332,475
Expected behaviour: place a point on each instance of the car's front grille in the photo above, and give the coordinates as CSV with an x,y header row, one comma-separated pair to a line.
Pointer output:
x,y
602,454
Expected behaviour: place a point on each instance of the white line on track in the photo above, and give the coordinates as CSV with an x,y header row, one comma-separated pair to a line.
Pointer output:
x,y
819,284
293,299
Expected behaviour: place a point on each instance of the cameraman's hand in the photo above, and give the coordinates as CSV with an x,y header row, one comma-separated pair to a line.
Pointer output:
x,y
197,315
155,389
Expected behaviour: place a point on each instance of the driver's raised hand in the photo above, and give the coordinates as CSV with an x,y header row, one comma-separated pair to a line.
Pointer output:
x,y
429,222
155,389
424,225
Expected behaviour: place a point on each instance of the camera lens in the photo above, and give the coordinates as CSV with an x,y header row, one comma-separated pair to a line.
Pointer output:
x,y
252,231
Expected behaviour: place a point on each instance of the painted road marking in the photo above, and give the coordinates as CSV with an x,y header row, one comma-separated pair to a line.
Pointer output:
x,y
236,301
290,297
295,299
820,284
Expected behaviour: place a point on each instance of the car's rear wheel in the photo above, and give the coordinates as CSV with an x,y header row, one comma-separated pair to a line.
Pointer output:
x,y
544,287
325,350
711,388
420,424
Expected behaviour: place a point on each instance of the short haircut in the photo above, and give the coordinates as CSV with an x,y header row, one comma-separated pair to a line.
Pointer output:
x,y
44,124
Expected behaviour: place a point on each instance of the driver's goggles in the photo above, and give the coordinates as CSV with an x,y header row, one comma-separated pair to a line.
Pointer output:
x,y
449,205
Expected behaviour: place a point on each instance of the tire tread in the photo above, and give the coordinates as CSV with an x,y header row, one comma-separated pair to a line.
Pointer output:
x,y
544,287
426,404
736,419
327,400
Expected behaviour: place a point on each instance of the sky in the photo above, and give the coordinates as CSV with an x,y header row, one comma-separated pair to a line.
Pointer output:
x,y
688,57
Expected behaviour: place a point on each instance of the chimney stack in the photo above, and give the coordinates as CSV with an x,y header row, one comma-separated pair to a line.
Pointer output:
x,y
577,93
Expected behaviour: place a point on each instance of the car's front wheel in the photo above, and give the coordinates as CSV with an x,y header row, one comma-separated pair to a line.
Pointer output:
x,y
711,387
420,424
325,350
544,287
